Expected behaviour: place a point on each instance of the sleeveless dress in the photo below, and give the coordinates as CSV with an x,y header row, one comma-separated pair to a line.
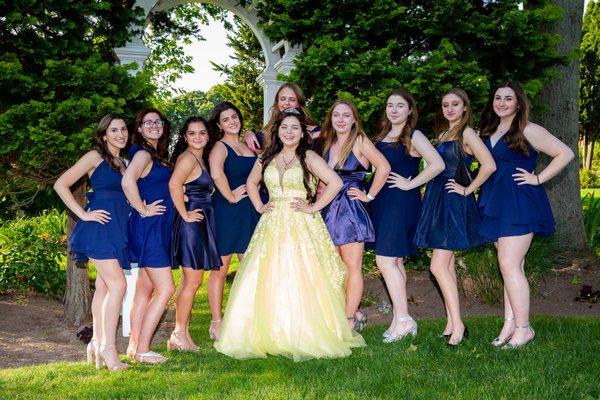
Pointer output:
x,y
287,297
448,220
508,209
150,237
395,212
194,244
235,223
348,220
260,136
108,241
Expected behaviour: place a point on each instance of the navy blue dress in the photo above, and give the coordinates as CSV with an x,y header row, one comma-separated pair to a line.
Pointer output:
x,y
508,209
235,223
194,244
107,241
395,212
150,237
347,220
448,220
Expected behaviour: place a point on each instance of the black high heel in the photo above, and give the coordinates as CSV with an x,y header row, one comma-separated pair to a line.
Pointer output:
x,y
464,336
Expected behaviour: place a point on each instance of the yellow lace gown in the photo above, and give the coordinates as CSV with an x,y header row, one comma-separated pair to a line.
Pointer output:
x,y
288,294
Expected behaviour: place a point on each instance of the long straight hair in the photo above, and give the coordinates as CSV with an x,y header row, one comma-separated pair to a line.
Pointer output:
x,y
328,134
161,153
442,124
100,144
181,145
213,121
385,125
514,137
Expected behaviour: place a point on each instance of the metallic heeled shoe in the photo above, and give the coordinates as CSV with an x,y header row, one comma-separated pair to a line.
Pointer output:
x,y
399,336
512,346
361,321
497,342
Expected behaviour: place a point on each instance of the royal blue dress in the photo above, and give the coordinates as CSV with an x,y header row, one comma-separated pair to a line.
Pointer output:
x,y
508,209
150,237
235,223
448,221
194,244
107,241
347,220
395,212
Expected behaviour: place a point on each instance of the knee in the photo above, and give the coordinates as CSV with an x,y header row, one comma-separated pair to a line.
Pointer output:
x,y
437,270
165,291
118,287
508,266
191,286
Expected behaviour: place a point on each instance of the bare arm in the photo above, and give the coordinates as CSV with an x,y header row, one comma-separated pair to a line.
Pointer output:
x,y
547,143
85,165
216,159
434,165
319,168
184,167
141,160
382,171
252,186
487,165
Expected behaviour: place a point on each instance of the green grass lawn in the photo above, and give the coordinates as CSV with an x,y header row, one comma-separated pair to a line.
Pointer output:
x,y
562,363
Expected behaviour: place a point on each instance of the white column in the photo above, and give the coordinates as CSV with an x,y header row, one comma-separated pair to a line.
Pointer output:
x,y
130,278
134,51
267,79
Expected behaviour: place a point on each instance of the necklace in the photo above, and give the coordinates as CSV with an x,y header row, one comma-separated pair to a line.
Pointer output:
x,y
287,164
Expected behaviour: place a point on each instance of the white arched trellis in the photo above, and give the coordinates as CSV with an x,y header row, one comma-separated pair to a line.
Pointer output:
x,y
279,57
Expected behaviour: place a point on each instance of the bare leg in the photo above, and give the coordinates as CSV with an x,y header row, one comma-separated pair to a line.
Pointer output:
x,y
143,294
215,287
394,274
191,281
99,295
162,281
352,254
511,257
112,275
443,270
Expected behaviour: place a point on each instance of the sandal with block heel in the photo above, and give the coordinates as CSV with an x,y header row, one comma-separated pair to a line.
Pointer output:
x,y
175,342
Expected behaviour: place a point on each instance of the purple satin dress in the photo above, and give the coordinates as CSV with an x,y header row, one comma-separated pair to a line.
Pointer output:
x,y
348,220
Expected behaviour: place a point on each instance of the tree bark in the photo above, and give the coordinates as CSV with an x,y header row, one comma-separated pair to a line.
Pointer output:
x,y
78,297
589,159
562,120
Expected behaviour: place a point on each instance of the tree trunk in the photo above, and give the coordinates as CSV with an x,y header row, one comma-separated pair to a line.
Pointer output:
x,y
78,297
589,157
562,120
585,149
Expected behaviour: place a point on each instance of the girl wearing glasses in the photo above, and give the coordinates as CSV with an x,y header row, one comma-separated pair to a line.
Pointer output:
x,y
146,185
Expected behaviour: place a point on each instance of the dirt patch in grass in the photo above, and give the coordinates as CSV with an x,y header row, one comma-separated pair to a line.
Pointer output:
x,y
32,329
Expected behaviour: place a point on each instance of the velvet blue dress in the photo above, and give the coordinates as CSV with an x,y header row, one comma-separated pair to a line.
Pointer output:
x,y
107,241
347,220
508,209
150,237
194,244
395,212
448,221
235,223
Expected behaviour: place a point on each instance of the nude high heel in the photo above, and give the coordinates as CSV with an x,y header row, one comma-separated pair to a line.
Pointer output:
x,y
214,329
90,351
101,360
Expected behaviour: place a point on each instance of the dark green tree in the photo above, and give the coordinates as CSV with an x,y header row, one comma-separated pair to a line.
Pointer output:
x,y
589,83
57,78
179,108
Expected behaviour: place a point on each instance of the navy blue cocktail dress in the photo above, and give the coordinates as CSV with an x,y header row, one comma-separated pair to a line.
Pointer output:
x,y
347,220
395,212
150,237
508,209
448,221
194,244
235,223
107,241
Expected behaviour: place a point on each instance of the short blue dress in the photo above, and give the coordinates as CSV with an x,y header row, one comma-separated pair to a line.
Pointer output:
x,y
150,237
194,244
347,220
108,241
508,209
395,212
235,223
448,221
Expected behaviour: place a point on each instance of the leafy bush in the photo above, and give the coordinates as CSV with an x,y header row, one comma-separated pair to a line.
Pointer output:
x,y
33,255
589,178
591,220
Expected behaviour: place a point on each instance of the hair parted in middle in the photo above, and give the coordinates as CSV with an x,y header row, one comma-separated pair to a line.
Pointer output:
x,y
181,145
442,125
161,153
385,125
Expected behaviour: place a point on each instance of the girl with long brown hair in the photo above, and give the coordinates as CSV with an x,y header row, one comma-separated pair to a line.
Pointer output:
x,y
347,149
513,202
395,211
100,234
449,219
146,185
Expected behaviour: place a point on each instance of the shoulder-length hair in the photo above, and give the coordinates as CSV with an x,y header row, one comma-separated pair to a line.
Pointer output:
x,y
100,144
276,146
514,137
181,145
385,125
328,134
161,153
466,120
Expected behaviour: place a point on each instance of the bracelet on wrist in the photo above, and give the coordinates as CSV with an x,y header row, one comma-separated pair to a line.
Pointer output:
x,y
370,196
